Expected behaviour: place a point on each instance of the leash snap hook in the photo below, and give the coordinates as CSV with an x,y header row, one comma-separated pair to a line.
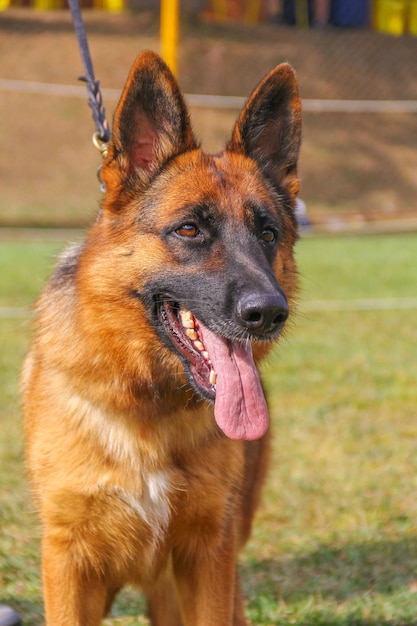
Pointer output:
x,y
103,147
101,144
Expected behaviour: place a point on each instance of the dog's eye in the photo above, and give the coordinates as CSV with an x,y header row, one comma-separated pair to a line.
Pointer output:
x,y
268,235
188,230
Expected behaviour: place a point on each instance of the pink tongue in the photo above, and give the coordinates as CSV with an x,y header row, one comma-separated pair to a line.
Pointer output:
x,y
240,407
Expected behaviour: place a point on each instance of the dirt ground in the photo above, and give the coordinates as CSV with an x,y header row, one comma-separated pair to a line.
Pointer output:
x,y
358,167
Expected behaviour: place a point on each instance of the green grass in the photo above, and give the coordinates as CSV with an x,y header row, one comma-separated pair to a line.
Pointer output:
x,y
335,542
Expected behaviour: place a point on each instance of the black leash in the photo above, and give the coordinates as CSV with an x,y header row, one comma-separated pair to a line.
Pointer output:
x,y
102,135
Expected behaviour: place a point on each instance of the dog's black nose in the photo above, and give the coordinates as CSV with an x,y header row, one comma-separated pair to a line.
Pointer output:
x,y
262,314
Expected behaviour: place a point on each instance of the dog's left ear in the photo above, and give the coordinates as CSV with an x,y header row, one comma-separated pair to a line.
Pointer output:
x,y
269,128
151,124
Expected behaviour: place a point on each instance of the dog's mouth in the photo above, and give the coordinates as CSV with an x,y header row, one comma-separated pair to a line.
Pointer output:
x,y
220,370
183,330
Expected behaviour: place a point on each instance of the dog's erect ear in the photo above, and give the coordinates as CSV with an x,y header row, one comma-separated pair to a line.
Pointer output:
x,y
269,128
151,123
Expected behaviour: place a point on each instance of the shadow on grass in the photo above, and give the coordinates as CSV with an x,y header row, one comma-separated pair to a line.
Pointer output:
x,y
356,584
348,585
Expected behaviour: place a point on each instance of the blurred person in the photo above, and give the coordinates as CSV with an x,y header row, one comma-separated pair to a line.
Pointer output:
x,y
321,12
301,213
274,11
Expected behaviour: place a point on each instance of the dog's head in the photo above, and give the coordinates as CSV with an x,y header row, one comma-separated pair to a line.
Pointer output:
x,y
208,238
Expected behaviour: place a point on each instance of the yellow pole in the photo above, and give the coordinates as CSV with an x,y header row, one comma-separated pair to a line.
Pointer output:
x,y
220,10
169,33
252,11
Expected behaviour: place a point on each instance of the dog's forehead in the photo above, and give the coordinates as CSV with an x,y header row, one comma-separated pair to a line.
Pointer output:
x,y
228,182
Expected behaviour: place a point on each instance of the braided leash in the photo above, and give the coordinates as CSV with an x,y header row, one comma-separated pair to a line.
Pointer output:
x,y
102,135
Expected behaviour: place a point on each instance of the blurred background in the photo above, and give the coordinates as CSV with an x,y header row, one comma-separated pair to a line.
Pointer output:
x,y
356,64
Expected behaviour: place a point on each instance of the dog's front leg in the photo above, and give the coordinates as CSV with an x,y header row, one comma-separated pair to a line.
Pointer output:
x,y
72,598
162,599
206,584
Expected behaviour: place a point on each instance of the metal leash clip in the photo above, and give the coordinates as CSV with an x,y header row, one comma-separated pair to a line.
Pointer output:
x,y
101,144
103,147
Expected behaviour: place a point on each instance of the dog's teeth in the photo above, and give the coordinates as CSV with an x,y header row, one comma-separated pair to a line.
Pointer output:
x,y
213,377
199,346
205,354
187,319
191,334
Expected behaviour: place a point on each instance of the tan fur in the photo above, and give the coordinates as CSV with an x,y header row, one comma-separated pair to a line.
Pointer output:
x,y
134,481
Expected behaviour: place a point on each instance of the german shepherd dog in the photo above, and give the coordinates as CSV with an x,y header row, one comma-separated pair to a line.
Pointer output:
x,y
146,422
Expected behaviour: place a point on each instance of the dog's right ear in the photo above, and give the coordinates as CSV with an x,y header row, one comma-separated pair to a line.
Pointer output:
x,y
151,124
